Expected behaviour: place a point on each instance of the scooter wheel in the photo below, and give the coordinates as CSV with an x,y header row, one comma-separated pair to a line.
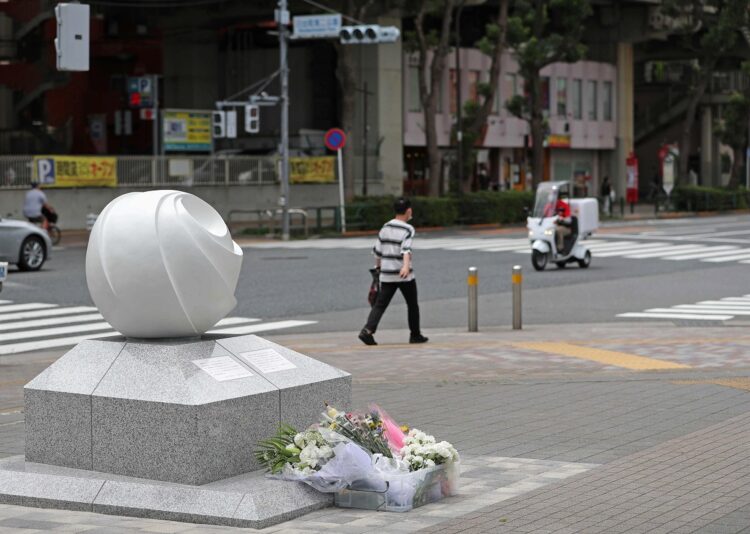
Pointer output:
x,y
586,261
538,260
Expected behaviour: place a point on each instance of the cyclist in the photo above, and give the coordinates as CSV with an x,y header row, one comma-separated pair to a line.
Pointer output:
x,y
35,206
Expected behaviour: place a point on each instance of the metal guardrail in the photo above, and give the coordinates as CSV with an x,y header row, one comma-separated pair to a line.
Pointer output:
x,y
17,172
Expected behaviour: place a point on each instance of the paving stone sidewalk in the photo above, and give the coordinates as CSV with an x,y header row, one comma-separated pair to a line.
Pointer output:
x,y
659,435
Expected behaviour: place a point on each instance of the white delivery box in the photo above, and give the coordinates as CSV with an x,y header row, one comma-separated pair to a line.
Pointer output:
x,y
587,211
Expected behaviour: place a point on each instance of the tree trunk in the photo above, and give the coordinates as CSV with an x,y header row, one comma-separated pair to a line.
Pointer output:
x,y
687,125
536,124
737,166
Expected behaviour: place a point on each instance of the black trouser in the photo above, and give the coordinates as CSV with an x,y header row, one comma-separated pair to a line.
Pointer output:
x,y
387,290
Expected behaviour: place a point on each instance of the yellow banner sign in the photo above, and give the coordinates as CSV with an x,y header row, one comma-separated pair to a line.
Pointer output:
x,y
312,170
75,171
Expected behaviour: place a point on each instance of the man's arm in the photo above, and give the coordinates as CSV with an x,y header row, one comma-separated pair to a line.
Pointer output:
x,y
406,269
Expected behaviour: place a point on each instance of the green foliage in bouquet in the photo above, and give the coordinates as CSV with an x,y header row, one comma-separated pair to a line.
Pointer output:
x,y
366,430
275,452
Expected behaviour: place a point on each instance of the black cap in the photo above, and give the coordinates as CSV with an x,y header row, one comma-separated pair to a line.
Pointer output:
x,y
401,205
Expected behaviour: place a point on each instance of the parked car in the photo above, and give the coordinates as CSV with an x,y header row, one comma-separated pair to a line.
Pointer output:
x,y
24,244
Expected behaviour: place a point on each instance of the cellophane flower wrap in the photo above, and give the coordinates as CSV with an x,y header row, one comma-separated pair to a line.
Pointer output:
x,y
361,451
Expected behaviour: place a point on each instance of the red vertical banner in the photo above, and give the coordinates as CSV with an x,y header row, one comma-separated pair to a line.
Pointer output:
x,y
631,166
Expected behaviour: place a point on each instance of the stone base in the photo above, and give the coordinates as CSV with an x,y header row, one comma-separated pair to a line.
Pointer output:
x,y
152,410
248,501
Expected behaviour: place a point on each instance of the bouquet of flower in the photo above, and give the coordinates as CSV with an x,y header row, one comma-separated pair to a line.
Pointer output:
x,y
291,450
367,450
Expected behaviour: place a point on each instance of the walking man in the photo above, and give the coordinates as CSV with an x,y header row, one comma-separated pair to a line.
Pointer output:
x,y
394,255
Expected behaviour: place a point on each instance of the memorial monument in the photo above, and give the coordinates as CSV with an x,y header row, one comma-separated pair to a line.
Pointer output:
x,y
162,422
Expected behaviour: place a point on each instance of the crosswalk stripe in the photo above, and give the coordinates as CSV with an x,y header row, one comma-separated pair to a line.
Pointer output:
x,y
36,323
668,252
726,304
643,315
611,246
630,250
265,327
713,251
7,308
711,309
5,301
744,256
51,312
61,330
53,343
471,244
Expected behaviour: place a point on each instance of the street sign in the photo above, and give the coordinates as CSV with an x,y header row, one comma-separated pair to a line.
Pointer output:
x,y
335,139
317,26
141,91
73,33
231,124
186,130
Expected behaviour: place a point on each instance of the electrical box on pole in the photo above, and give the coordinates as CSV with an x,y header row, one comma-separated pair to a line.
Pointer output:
x,y
72,41
252,118
219,122
368,34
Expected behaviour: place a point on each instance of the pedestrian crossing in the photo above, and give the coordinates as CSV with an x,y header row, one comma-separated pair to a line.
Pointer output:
x,y
600,248
40,326
711,311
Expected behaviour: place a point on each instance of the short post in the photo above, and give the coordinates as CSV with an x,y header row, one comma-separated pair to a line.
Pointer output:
x,y
473,283
517,281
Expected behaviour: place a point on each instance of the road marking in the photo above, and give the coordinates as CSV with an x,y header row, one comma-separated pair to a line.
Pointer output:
x,y
641,248
8,308
53,312
51,343
693,317
713,251
692,308
744,256
57,331
265,327
35,323
606,357
671,251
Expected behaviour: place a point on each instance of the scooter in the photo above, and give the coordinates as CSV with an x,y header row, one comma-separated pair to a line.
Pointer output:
x,y
583,221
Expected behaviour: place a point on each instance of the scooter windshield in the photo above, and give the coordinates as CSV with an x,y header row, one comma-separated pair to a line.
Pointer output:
x,y
545,201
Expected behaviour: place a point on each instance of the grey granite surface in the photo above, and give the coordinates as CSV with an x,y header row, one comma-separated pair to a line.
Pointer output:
x,y
58,428
250,500
144,409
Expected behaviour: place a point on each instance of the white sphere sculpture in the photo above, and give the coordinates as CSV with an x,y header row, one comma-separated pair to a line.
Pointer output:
x,y
161,264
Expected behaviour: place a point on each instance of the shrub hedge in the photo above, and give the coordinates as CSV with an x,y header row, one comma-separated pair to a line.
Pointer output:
x,y
698,198
473,208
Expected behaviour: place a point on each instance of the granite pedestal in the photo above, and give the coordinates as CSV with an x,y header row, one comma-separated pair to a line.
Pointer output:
x,y
189,413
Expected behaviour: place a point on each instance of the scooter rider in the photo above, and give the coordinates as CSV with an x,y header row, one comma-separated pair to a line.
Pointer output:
x,y
563,226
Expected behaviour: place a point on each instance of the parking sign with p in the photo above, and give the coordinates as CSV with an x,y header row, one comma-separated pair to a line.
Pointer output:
x,y
45,171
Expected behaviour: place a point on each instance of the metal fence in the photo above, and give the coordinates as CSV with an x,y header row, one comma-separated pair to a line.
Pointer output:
x,y
17,172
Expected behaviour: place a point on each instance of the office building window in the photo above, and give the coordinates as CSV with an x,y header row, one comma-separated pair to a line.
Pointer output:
x,y
607,100
593,100
577,100
562,97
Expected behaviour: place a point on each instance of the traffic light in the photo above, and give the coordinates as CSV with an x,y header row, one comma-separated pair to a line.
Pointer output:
x,y
368,34
219,124
72,41
252,118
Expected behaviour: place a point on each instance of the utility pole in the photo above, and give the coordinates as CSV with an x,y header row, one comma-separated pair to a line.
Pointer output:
x,y
459,119
282,20
156,114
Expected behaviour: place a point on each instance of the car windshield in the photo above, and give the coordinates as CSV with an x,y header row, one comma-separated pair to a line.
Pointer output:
x,y
546,198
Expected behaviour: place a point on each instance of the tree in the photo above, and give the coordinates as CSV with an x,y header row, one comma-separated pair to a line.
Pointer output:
x,y
346,75
476,114
542,32
708,29
431,45
733,131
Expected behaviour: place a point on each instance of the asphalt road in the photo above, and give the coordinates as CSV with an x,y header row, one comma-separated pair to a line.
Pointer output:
x,y
329,285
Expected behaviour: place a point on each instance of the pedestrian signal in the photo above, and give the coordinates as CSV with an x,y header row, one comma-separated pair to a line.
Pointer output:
x,y
219,121
252,118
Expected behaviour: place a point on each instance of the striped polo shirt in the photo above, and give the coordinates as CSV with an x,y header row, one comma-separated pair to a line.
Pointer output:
x,y
394,240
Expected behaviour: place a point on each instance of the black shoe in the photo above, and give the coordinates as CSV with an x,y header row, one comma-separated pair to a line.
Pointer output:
x,y
366,338
417,339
